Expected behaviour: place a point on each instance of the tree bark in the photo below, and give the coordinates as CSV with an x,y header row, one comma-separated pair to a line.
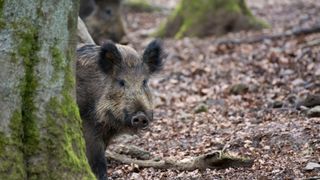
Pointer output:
x,y
200,18
40,127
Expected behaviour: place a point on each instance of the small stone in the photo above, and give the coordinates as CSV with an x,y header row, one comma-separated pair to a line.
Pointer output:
x,y
277,104
239,89
312,166
136,176
185,117
201,108
310,101
314,112
292,99
215,102
298,82
117,173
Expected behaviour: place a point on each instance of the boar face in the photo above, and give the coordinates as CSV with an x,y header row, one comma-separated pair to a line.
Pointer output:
x,y
113,94
126,100
106,22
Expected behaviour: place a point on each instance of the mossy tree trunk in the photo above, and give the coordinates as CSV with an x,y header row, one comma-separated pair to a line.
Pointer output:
x,y
200,18
40,127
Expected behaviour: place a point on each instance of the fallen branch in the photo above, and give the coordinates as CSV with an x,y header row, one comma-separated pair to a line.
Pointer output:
x,y
132,151
313,178
311,44
214,160
257,39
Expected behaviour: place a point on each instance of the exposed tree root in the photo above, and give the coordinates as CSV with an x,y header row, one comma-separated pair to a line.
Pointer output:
x,y
311,44
257,39
214,160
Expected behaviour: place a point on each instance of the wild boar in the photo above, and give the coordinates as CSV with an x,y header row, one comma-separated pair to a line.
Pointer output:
x,y
104,20
113,94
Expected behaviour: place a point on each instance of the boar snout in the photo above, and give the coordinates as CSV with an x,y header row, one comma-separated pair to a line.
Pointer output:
x,y
140,120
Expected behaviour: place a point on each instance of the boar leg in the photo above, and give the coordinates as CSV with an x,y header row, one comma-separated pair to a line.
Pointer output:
x,y
96,155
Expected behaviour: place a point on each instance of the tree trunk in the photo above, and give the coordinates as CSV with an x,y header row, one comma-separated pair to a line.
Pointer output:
x,y
200,18
40,127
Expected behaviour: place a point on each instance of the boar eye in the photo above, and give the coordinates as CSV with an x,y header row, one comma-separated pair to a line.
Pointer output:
x,y
145,82
108,12
121,83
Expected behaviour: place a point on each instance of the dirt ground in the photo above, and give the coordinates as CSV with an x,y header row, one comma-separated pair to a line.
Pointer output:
x,y
238,97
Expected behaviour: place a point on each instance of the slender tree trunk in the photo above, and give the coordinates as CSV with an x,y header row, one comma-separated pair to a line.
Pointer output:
x,y
40,127
202,18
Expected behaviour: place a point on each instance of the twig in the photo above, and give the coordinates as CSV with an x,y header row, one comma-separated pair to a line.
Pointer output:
x,y
311,44
214,160
313,178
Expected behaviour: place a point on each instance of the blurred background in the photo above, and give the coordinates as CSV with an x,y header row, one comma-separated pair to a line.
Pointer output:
x,y
121,20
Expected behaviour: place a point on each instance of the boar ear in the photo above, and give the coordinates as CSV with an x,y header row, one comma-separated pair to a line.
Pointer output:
x,y
153,56
109,57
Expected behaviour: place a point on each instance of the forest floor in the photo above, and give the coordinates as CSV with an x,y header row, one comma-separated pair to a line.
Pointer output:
x,y
237,97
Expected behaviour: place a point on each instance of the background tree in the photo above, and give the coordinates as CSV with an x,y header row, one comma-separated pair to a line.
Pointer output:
x,y
40,127
209,17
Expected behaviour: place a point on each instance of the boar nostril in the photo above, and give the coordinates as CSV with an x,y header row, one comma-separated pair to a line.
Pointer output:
x,y
135,120
144,122
140,121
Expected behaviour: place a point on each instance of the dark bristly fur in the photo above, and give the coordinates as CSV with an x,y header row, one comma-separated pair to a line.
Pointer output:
x,y
153,56
109,57
103,19
112,92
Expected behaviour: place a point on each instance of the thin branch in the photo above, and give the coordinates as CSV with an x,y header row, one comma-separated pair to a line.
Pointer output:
x,y
214,160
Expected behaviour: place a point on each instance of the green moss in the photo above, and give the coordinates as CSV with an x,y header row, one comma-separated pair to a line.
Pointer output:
x,y
28,49
2,24
72,22
202,18
40,12
16,129
69,109
64,138
57,63
197,13
14,58
259,23
24,135
172,19
2,21
254,21
11,150
140,6
1,7
2,142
